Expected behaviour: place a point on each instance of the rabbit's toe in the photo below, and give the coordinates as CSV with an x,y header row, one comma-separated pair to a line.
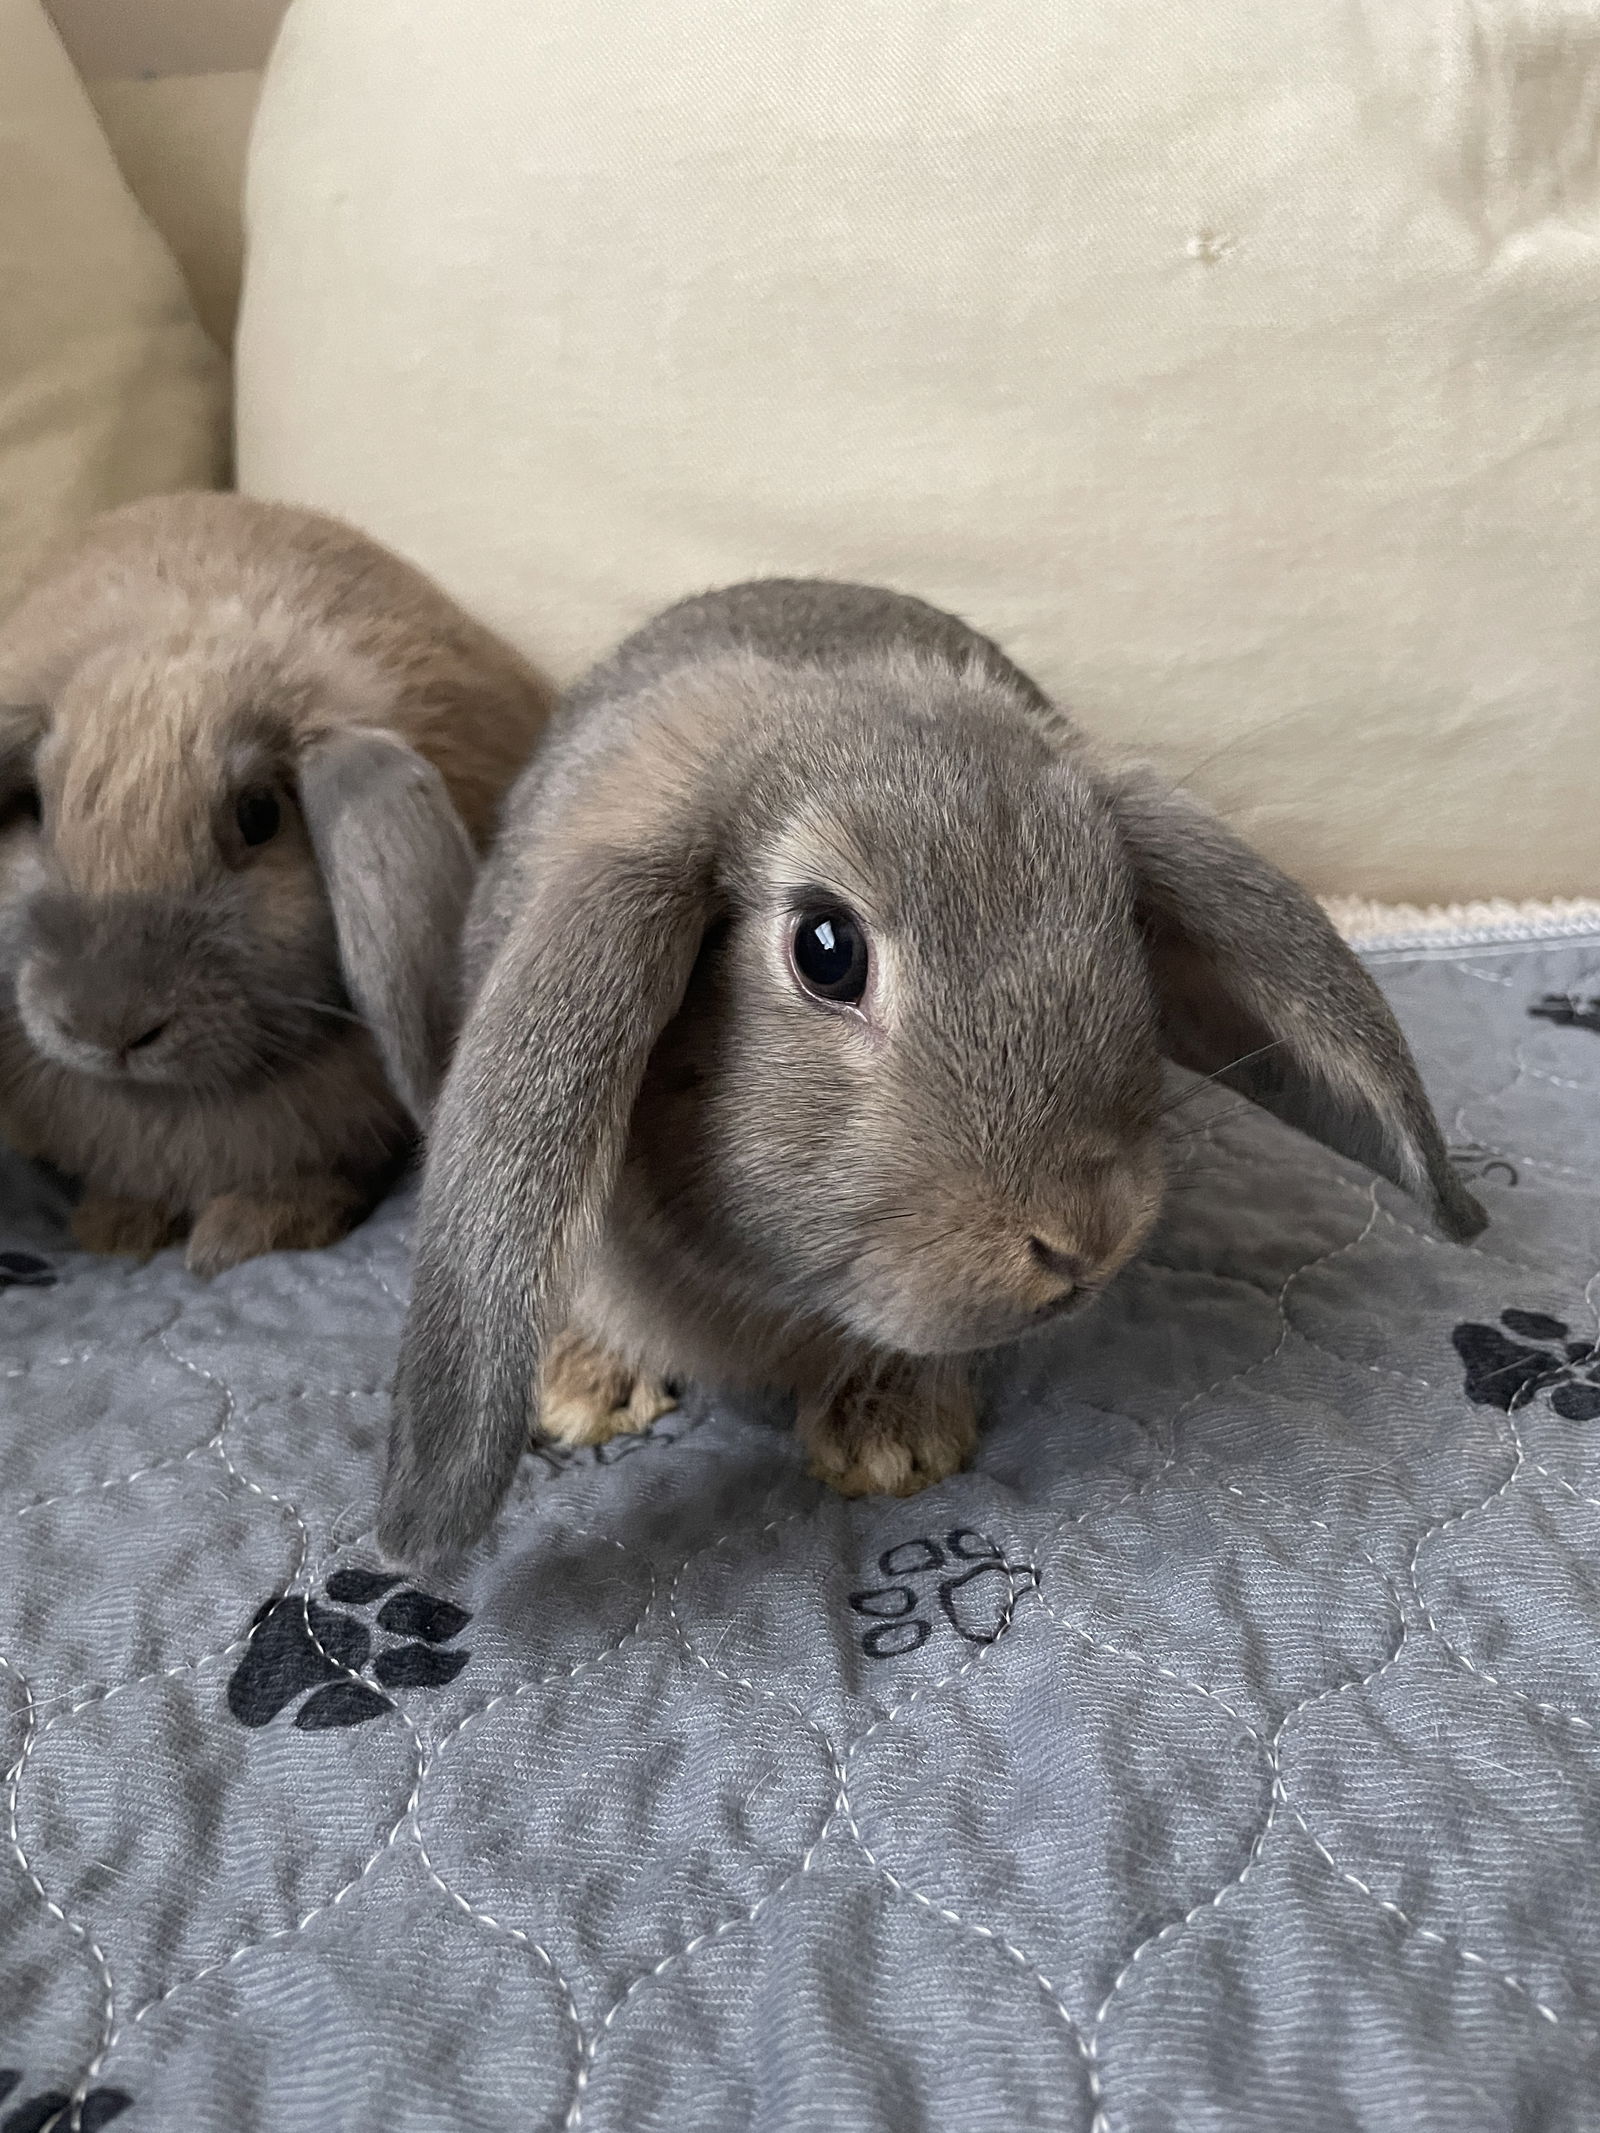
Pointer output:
x,y
301,1218
587,1396
134,1228
891,1433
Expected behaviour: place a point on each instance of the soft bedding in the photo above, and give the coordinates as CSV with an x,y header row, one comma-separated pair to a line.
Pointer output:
x,y
1220,1752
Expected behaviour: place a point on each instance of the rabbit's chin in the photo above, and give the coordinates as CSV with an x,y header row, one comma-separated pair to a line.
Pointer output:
x,y
955,1326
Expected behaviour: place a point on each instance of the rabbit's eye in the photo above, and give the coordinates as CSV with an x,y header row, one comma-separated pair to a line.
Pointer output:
x,y
258,814
22,805
829,949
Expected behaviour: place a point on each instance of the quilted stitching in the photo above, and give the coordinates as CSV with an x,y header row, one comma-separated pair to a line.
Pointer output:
x,y
1221,1752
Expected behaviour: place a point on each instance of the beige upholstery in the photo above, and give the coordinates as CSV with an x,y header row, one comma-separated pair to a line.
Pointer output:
x,y
1234,365
129,38
181,144
108,387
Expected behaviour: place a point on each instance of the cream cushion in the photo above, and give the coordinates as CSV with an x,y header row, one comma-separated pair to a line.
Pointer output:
x,y
108,387
125,39
180,142
1235,366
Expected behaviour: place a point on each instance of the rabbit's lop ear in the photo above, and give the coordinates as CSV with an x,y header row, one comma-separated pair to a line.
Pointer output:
x,y
1257,990
398,867
525,1150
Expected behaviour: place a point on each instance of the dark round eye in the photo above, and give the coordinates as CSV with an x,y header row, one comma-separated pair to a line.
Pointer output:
x,y
830,955
258,814
25,803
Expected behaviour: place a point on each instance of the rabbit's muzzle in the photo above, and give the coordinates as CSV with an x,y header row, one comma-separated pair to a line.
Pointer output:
x,y
977,1269
151,990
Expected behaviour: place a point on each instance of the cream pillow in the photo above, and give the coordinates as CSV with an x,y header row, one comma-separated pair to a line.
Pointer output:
x,y
108,387
1234,366
180,142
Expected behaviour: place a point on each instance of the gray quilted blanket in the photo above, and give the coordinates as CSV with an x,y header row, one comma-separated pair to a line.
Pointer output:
x,y
1220,1753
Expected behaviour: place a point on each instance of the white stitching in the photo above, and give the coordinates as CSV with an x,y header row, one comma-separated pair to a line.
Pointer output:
x,y
1519,1466
991,1934
589,2047
79,1931
1391,1910
218,1443
1102,2119
1458,1949
497,1926
535,1682
846,1810
1558,1081
279,1933
163,1465
1555,1480
1163,1935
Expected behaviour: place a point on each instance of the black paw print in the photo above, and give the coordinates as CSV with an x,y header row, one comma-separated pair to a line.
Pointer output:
x,y
98,2108
975,1599
560,1457
298,1644
1485,1165
1507,1373
25,1270
1567,1011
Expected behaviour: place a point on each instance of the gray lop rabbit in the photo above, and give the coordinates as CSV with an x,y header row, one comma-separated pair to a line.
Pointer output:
x,y
822,986
246,755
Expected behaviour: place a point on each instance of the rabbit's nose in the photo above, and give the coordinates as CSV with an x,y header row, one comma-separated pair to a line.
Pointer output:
x,y
1057,1260
104,1028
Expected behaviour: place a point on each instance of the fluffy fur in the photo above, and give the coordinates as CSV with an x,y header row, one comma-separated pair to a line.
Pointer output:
x,y
656,1155
220,1032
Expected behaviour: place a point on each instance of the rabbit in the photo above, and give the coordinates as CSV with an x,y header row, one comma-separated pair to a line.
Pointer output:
x,y
248,760
822,985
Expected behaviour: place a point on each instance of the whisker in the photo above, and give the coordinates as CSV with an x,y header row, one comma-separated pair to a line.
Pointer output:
x,y
1555,1367
932,1244
1238,740
1205,1080
1207,1125
316,1007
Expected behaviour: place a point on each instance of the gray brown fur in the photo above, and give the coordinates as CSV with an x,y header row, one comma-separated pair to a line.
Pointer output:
x,y
183,649
654,1151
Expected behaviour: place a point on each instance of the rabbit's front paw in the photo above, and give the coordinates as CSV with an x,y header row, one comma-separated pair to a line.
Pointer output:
x,y
891,1432
135,1229
587,1396
303,1217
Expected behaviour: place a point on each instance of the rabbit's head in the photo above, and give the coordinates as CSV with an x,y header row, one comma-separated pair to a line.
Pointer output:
x,y
211,862
851,984
916,1071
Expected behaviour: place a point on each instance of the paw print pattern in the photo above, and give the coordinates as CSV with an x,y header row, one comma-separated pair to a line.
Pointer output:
x,y
50,2109
1485,1166
25,1270
1506,1373
561,1458
297,1643
1567,1011
974,1599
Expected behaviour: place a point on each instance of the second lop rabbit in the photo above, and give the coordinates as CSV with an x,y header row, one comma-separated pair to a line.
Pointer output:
x,y
246,755
823,984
